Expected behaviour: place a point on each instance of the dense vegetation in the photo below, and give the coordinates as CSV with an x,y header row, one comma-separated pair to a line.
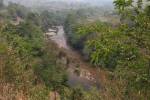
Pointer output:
x,y
28,63
123,50
29,66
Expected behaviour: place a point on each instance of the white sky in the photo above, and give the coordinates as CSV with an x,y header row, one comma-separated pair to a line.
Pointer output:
x,y
66,0
30,2
87,0
92,0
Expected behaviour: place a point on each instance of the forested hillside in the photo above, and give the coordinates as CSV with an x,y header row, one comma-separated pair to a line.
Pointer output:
x,y
27,61
29,67
114,44
123,50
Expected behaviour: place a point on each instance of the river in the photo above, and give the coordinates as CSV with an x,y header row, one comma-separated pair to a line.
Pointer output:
x,y
80,73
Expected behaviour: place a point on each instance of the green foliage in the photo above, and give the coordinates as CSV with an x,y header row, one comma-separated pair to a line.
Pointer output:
x,y
26,62
30,64
52,75
79,93
122,4
39,92
15,10
34,18
110,48
124,50
80,33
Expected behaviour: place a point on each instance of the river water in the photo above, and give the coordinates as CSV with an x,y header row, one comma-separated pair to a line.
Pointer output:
x,y
88,76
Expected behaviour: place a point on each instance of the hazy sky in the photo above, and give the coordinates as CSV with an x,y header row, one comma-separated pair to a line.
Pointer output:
x,y
32,2
91,0
84,0
64,0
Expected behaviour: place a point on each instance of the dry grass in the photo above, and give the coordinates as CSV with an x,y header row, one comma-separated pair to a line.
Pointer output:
x,y
9,92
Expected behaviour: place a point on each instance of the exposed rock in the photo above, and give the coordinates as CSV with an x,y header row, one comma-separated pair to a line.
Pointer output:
x,y
54,96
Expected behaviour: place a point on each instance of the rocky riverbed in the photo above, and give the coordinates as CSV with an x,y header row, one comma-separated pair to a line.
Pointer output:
x,y
80,73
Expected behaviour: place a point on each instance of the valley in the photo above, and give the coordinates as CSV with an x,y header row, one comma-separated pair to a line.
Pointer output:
x,y
79,71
